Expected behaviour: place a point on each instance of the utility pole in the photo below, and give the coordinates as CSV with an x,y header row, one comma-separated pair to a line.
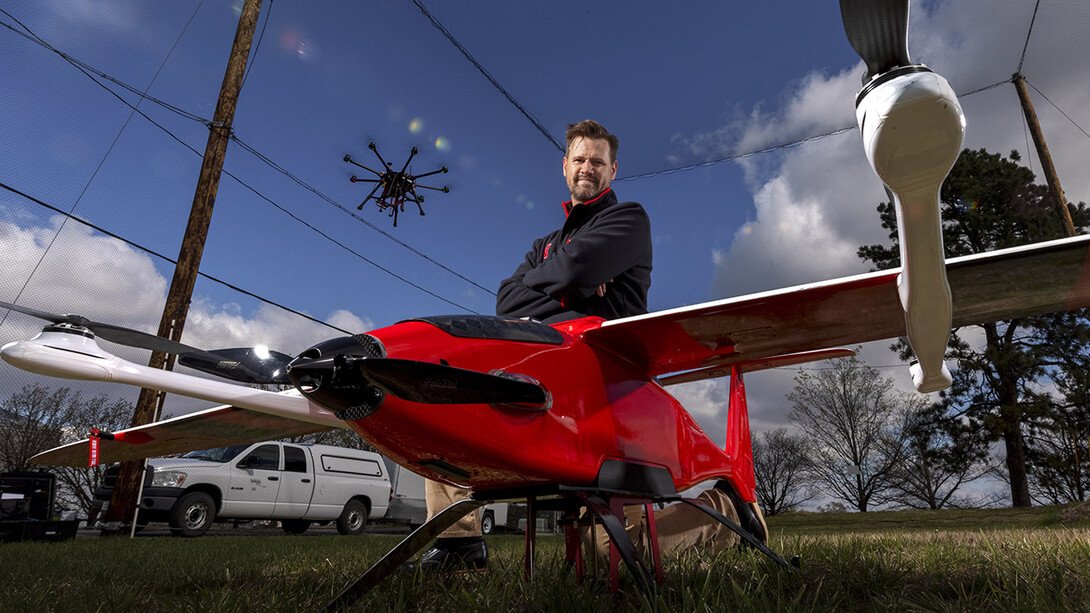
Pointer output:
x,y
1053,179
126,492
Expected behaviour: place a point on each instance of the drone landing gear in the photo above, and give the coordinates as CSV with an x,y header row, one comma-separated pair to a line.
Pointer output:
x,y
406,549
606,509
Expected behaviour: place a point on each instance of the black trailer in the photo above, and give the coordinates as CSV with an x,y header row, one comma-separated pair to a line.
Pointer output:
x,y
26,508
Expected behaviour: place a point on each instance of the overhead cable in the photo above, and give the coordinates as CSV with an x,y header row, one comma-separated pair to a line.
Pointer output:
x,y
163,257
454,41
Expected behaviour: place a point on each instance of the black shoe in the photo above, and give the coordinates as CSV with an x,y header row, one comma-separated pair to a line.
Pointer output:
x,y
449,555
746,517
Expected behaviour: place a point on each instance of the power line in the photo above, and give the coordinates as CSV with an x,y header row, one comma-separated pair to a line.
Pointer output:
x,y
772,148
277,167
737,156
1033,19
85,68
454,41
106,155
163,257
1073,122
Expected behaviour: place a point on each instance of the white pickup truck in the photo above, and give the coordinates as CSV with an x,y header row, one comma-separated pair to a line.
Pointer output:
x,y
296,484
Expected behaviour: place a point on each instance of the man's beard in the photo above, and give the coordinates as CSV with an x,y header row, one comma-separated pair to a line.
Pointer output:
x,y
582,192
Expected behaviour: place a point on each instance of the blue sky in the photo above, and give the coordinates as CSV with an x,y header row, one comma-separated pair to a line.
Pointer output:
x,y
681,84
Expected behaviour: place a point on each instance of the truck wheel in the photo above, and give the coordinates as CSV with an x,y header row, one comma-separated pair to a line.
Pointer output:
x,y
295,526
488,523
192,514
353,518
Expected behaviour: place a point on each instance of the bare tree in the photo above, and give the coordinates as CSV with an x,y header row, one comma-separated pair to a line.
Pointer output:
x,y
77,484
33,421
37,418
941,455
780,462
849,414
339,437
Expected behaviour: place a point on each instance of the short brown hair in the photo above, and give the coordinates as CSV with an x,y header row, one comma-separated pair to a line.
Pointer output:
x,y
588,128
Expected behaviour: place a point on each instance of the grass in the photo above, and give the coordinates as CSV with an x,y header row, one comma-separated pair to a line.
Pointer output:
x,y
1006,559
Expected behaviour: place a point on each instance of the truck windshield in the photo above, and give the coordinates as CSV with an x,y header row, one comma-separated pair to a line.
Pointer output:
x,y
219,454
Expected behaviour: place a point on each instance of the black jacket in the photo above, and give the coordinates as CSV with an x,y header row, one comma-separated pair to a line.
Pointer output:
x,y
602,241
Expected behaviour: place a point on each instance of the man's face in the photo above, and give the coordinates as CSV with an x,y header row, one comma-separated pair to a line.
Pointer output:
x,y
588,168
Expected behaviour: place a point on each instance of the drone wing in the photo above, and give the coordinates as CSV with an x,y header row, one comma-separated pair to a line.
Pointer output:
x,y
216,427
1018,282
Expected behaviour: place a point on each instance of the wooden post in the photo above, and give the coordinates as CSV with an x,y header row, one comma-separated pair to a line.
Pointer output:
x,y
123,500
1058,198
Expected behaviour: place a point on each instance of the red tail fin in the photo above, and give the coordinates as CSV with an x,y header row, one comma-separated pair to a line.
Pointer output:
x,y
739,445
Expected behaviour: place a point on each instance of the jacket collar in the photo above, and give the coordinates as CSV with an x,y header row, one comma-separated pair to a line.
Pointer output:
x,y
568,206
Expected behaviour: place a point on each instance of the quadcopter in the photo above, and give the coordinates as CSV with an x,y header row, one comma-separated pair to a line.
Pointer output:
x,y
398,186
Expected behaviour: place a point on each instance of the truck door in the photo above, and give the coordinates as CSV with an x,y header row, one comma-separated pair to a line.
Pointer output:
x,y
296,484
255,482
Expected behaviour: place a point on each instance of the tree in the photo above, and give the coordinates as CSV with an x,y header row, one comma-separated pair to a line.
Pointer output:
x,y
34,421
941,455
1059,466
77,484
848,413
37,418
989,202
339,437
780,462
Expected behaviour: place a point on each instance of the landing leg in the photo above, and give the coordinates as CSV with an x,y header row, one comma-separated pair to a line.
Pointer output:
x,y
404,550
748,538
620,545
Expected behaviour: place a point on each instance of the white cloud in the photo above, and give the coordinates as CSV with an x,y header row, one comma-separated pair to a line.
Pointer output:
x,y
815,204
105,280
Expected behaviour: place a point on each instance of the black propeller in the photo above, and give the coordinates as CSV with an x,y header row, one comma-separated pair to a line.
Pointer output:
x,y
878,31
342,382
438,384
246,365
116,334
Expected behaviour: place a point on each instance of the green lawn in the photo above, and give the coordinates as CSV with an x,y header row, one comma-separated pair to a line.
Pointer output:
x,y
997,560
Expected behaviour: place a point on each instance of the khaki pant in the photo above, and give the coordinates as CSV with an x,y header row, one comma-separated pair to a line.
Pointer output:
x,y
680,526
439,496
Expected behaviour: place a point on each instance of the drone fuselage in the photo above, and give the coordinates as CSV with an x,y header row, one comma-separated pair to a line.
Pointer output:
x,y
604,410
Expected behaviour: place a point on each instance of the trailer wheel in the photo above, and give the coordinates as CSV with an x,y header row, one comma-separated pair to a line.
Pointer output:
x,y
192,514
488,523
295,526
353,518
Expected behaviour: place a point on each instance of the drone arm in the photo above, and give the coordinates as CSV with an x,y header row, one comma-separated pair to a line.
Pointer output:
x,y
349,159
442,170
70,356
412,154
443,189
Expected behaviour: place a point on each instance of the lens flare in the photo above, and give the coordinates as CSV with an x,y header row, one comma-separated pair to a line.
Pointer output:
x,y
416,126
292,41
442,144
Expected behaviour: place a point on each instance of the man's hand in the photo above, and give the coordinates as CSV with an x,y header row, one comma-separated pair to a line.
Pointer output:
x,y
601,289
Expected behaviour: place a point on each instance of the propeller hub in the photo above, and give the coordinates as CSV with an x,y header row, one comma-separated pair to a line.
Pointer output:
x,y
325,374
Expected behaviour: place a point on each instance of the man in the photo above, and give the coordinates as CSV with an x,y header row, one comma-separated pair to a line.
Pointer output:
x,y
598,263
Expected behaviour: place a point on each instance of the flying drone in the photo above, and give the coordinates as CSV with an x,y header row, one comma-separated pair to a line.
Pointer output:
x,y
398,186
